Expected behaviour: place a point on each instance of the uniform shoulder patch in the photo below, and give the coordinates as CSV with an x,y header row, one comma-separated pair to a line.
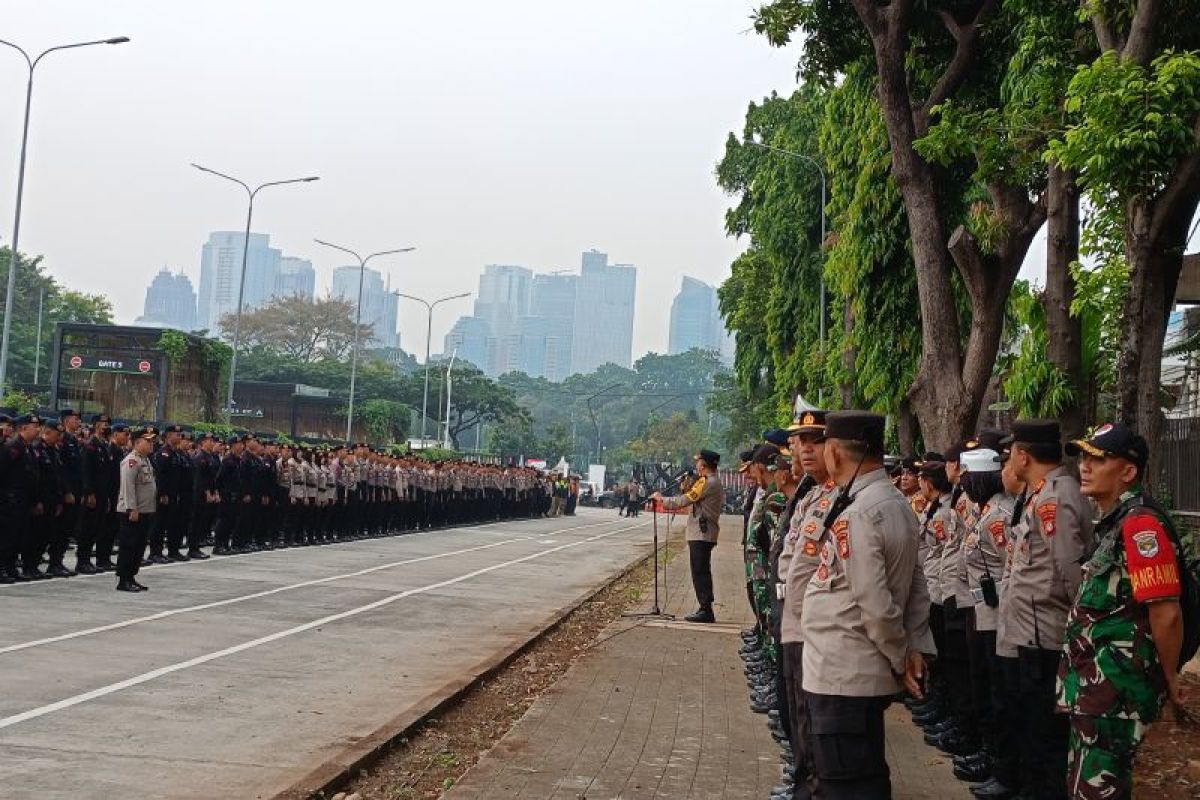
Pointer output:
x,y
132,462
939,530
1048,513
996,529
1150,554
841,534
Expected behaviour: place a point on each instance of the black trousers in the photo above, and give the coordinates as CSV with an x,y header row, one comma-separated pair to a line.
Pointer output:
x,y
160,534
131,539
799,726
87,535
700,557
107,537
226,523
848,746
1043,733
36,535
1006,685
60,537
981,649
181,517
201,523
953,655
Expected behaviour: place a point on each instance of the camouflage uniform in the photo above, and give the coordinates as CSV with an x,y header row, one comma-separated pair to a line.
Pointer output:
x,y
1110,680
764,520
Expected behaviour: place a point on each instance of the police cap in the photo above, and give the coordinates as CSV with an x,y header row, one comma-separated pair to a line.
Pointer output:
x,y
1034,431
709,457
27,419
811,421
776,436
856,426
67,412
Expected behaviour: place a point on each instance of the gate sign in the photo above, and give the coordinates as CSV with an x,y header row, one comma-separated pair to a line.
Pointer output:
x,y
110,364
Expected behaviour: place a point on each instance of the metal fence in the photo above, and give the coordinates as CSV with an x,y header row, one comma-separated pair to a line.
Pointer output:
x,y
1181,463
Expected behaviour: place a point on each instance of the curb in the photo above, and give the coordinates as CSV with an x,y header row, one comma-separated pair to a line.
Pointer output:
x,y
332,775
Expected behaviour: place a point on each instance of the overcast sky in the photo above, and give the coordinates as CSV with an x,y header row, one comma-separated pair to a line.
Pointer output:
x,y
519,132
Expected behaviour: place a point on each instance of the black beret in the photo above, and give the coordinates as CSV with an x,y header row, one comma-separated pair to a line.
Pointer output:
x,y
27,419
1034,431
1113,440
172,429
857,426
709,457
776,436
67,412
148,432
232,440
51,422
910,464
746,456
765,454
98,418
119,427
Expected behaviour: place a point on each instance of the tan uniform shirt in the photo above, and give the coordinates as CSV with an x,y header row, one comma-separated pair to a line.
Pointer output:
x,y
706,497
935,530
1049,546
984,553
954,565
803,547
865,606
139,490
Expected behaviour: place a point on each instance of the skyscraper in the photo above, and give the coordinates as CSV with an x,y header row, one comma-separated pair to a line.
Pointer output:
x,y
296,277
695,319
220,275
552,318
469,337
603,314
379,304
170,302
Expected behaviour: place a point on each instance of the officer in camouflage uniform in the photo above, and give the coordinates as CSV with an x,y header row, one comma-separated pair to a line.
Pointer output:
x,y
1124,633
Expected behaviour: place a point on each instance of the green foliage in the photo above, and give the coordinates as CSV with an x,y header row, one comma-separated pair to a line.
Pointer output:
x,y
59,305
387,421
219,429
436,454
1131,125
673,439
174,344
1036,387
21,402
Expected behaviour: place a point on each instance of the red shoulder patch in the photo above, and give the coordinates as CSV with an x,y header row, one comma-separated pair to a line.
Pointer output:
x,y
1048,513
996,529
841,534
133,462
939,530
1150,553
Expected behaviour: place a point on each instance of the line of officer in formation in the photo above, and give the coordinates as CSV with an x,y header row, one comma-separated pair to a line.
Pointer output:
x,y
1035,624
177,492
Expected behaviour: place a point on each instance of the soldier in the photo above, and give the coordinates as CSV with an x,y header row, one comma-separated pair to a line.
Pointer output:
x,y
1125,631
705,499
864,613
182,513
166,478
119,443
1051,541
94,498
230,490
18,492
768,504
137,505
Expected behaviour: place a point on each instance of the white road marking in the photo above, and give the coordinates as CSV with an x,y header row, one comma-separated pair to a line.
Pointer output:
x,y
266,593
145,677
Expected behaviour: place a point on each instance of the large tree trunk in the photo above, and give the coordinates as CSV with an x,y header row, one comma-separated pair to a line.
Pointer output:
x,y
906,429
1064,336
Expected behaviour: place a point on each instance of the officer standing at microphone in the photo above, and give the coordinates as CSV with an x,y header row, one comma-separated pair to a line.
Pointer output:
x,y
706,498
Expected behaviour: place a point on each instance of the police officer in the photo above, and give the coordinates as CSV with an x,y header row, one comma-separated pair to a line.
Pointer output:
x,y
205,497
1051,541
70,456
119,443
230,491
864,613
167,477
705,500
18,492
1125,630
48,498
137,503
94,508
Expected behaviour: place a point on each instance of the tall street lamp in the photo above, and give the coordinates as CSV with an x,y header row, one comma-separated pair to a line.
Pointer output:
x,y
428,335
362,271
237,320
824,222
16,236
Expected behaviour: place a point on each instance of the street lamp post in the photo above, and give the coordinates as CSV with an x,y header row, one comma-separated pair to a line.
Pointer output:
x,y
428,336
16,236
449,389
362,271
824,202
592,413
237,320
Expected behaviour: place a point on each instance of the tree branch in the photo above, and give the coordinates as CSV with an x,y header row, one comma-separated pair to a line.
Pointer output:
x,y
868,12
1139,46
966,38
964,249
1180,192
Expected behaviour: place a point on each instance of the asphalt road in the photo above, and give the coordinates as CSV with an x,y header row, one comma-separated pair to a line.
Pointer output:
x,y
235,677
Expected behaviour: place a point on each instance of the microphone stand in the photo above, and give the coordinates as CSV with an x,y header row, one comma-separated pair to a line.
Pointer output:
x,y
655,612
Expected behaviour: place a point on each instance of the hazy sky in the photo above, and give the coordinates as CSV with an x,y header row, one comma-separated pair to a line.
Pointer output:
x,y
519,132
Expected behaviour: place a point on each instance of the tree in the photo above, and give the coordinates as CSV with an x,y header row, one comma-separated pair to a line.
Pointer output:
x,y
1134,138
557,442
675,438
59,305
387,421
477,399
301,329
925,56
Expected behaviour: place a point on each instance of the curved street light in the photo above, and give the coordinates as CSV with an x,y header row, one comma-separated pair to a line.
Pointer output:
x,y
237,320
31,63
362,270
428,335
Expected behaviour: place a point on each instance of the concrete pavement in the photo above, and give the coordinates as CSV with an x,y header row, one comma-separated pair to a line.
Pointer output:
x,y
236,677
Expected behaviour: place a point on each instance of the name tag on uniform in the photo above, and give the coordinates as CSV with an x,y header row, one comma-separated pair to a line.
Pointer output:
x,y
781,591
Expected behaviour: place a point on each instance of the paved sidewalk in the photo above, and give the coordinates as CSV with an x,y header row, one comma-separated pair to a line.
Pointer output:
x,y
660,709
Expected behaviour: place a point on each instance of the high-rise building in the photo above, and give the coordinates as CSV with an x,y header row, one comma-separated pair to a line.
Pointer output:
x,y
380,305
220,275
469,337
170,302
695,319
552,317
296,278
604,301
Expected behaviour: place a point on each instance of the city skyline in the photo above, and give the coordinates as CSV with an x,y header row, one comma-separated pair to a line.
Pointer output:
x,y
542,177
